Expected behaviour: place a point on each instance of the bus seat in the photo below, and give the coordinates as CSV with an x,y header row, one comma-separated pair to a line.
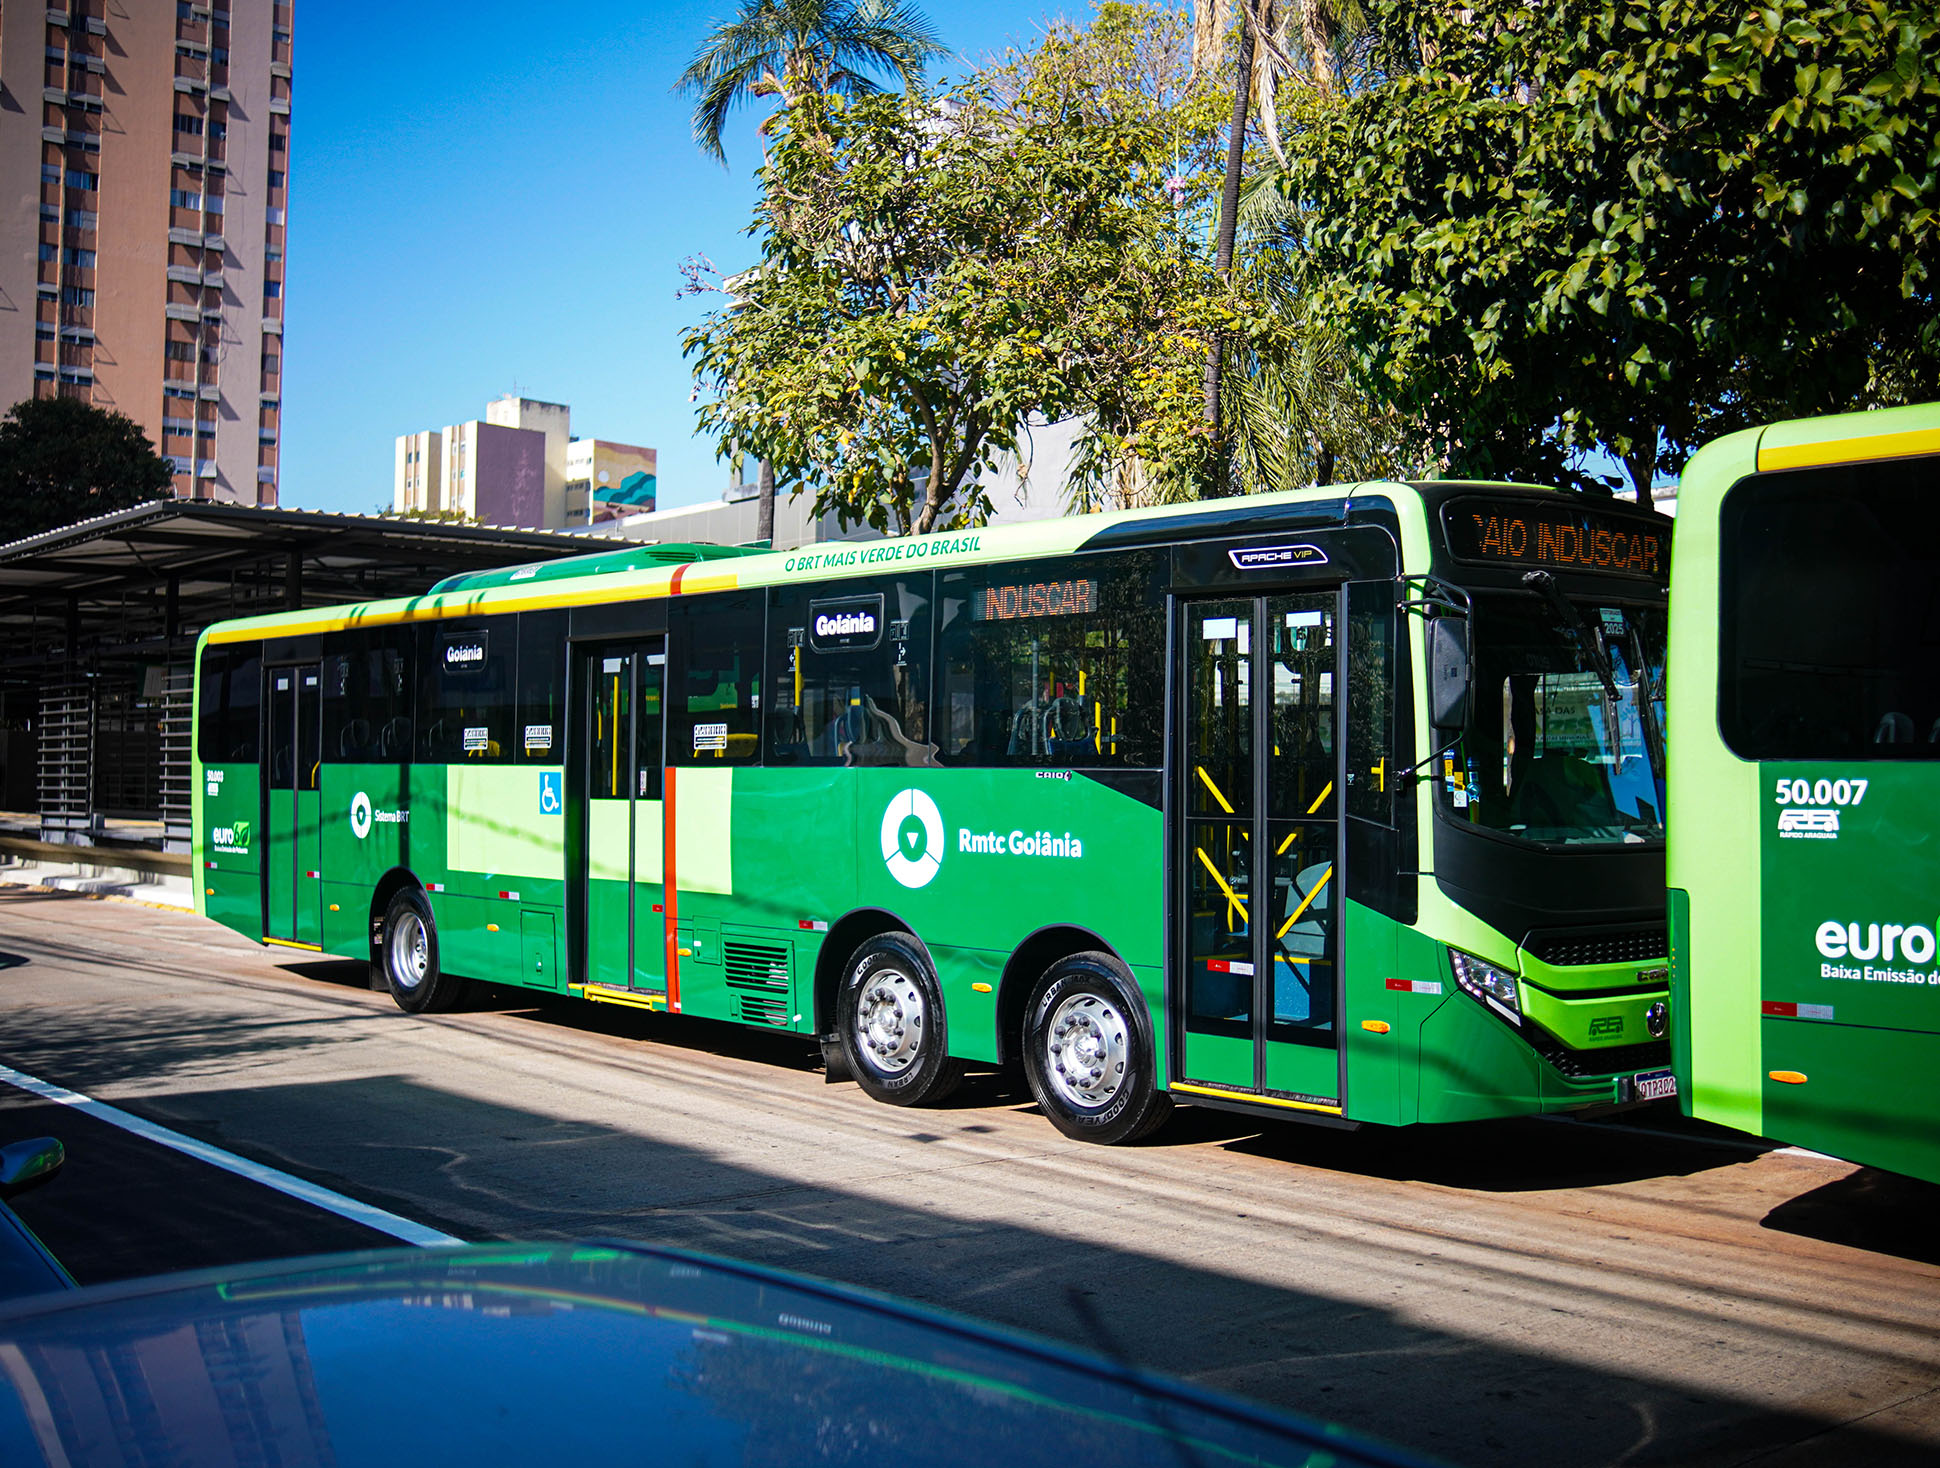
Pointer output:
x,y
355,739
1893,728
395,741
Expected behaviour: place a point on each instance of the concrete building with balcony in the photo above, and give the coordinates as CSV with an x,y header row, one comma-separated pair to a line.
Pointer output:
x,y
149,146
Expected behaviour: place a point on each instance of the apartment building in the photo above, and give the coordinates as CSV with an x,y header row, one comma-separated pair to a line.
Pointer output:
x,y
153,137
520,466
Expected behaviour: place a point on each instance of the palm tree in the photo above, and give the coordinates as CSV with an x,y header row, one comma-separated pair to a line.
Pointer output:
x,y
790,49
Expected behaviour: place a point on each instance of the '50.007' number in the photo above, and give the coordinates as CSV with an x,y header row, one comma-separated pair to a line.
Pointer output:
x,y
1822,792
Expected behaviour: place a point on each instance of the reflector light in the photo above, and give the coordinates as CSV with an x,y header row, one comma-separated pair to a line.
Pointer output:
x,y
1789,1077
1777,1009
1375,1026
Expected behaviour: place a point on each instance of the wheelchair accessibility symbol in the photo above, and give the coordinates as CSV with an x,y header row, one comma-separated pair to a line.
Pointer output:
x,y
552,792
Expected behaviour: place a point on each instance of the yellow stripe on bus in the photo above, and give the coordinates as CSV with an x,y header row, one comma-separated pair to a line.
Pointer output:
x,y
598,593
1260,1100
292,943
1850,450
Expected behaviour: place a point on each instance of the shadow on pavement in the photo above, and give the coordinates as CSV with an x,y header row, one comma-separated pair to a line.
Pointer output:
x,y
122,1207
1880,1212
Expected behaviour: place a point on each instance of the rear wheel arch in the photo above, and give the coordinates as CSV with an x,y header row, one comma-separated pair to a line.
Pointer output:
x,y
1028,963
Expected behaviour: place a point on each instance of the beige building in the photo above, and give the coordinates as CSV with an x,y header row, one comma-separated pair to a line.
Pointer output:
x,y
147,145
606,481
520,466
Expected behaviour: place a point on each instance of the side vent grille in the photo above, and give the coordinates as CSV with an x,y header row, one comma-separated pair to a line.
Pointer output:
x,y
757,980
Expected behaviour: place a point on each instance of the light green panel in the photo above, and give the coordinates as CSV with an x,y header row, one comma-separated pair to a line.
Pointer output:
x,y
704,830
1712,796
606,826
493,823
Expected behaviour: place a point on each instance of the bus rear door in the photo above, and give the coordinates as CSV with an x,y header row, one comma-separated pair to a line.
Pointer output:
x,y
293,817
1259,827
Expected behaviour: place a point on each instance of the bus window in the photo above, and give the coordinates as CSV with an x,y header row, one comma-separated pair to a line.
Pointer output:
x,y
539,719
1831,627
1370,702
465,692
1054,663
232,692
714,687
367,696
851,673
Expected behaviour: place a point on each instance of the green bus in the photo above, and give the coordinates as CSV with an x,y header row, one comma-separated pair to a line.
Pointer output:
x,y
1343,804
1806,782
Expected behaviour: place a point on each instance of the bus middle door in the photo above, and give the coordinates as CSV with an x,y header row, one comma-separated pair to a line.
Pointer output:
x,y
1259,817
625,829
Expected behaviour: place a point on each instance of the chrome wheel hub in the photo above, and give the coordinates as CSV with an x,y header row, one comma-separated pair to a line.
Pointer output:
x,y
1086,1050
889,1021
410,951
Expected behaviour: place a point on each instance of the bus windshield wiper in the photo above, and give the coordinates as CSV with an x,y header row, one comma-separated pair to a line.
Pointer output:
x,y
1593,649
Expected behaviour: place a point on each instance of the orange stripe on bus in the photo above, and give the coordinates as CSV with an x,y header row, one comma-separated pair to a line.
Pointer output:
x,y
672,921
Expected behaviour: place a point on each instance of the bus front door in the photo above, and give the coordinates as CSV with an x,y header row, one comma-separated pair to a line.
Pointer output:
x,y
624,828
293,816
1258,989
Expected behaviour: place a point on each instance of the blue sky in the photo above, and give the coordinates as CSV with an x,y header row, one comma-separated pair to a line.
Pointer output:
x,y
496,197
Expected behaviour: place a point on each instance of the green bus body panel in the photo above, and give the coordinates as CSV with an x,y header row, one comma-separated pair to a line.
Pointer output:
x,y
1868,1093
1711,797
1758,988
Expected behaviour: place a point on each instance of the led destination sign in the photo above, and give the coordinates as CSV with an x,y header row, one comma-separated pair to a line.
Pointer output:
x,y
1034,599
1498,532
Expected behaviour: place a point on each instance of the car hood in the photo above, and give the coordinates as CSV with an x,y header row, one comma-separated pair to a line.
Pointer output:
x,y
580,1353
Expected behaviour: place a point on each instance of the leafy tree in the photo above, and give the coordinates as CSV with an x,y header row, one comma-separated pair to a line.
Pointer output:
x,y
934,274
63,460
1552,227
794,49
791,50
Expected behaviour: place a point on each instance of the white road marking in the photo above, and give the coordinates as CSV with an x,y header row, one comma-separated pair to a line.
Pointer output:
x,y
384,1222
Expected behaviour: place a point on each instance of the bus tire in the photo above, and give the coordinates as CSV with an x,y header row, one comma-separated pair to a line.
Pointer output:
x,y
1088,1052
889,1013
407,956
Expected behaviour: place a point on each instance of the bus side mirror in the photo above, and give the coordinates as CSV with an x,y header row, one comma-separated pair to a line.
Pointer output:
x,y
1448,672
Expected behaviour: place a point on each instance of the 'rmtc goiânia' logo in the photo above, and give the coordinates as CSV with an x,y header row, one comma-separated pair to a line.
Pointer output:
x,y
360,815
912,838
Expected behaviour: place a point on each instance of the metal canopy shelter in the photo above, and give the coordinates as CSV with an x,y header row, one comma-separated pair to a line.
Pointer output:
x,y
98,623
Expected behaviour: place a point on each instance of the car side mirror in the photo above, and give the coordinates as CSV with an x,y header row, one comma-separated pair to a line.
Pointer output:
x,y
24,1166
1448,672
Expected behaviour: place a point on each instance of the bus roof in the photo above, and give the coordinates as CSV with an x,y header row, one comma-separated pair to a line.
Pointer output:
x,y
649,571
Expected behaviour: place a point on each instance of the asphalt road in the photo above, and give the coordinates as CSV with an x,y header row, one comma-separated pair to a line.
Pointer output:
x,y
1515,1293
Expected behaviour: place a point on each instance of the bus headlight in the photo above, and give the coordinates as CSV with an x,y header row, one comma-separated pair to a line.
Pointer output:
x,y
1484,981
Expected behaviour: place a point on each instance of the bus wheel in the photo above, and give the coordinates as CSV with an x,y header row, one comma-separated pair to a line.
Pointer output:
x,y
407,955
1087,1054
890,1016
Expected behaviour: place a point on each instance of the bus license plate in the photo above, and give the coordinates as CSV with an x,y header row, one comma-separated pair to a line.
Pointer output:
x,y
1655,1085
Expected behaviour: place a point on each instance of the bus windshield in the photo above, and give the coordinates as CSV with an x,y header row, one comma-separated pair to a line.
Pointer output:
x,y
1565,739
